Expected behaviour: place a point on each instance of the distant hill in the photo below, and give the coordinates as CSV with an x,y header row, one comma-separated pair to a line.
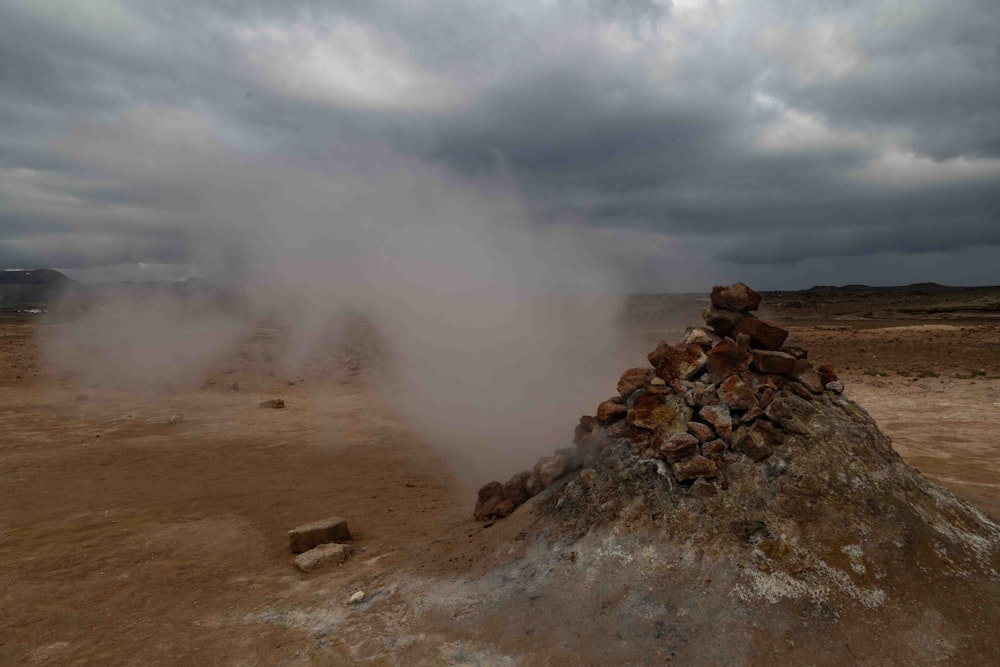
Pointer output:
x,y
33,288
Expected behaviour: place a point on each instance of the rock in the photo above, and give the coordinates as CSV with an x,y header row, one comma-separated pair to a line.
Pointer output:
x,y
657,382
836,387
704,394
696,466
356,597
790,411
736,297
703,432
611,411
752,443
702,488
681,362
765,397
323,554
633,379
714,447
588,477
305,537
763,335
175,419
808,376
533,484
735,393
551,468
661,414
679,447
774,362
724,360
795,351
722,321
720,419
771,434
514,491
751,415
800,390
276,403
701,337
827,374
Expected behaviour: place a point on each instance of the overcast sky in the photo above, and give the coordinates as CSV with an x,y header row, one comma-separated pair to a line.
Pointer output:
x,y
785,144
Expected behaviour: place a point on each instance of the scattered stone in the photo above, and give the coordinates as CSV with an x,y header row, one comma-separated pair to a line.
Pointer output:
x,y
790,412
836,387
356,598
323,554
722,321
551,468
662,414
658,382
713,447
737,297
276,403
305,537
779,363
763,335
808,376
752,443
771,434
735,393
795,351
175,419
632,379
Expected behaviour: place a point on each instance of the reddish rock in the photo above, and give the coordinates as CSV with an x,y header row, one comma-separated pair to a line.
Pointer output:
x,y
704,394
304,538
662,414
773,362
808,376
827,374
713,447
701,337
680,362
751,415
790,412
702,488
514,489
533,484
752,444
611,411
800,390
722,321
724,360
551,468
703,432
765,397
763,335
736,297
771,434
720,419
679,447
490,495
735,393
633,379
696,466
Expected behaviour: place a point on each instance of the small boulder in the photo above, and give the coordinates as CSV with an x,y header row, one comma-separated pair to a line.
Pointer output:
x,y
790,412
679,447
696,466
701,337
611,411
726,359
720,418
737,297
722,321
323,554
681,362
702,488
808,376
827,374
551,468
703,432
305,537
663,414
633,379
836,387
763,335
735,393
752,443
778,363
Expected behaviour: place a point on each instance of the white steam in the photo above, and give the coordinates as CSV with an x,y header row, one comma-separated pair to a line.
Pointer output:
x,y
501,332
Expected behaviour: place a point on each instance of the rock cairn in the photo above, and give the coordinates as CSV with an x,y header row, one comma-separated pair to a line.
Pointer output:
x,y
725,393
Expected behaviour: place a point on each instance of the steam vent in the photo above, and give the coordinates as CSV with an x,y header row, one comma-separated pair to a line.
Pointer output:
x,y
731,501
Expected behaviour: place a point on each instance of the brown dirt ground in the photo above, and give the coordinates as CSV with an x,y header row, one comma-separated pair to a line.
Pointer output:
x,y
127,539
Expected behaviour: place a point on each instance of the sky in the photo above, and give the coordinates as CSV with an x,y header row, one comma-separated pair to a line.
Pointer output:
x,y
682,144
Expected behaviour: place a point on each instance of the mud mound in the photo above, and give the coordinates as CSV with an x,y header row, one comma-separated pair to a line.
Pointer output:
x,y
731,505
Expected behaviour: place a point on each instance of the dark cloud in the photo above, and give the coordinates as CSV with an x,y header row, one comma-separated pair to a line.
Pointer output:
x,y
761,138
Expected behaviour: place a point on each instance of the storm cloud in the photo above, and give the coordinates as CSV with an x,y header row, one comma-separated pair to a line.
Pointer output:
x,y
784,144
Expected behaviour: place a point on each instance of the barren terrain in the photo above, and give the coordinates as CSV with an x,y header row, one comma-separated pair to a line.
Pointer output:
x,y
152,529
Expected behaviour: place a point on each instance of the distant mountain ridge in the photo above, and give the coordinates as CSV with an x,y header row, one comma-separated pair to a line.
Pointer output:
x,y
39,277
34,288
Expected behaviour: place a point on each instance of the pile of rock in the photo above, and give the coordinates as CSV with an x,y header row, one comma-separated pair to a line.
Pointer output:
x,y
723,394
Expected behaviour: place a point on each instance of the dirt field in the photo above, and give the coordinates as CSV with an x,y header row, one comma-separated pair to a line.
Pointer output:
x,y
137,530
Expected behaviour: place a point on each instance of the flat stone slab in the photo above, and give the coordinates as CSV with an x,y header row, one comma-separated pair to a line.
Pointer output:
x,y
332,529
323,555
